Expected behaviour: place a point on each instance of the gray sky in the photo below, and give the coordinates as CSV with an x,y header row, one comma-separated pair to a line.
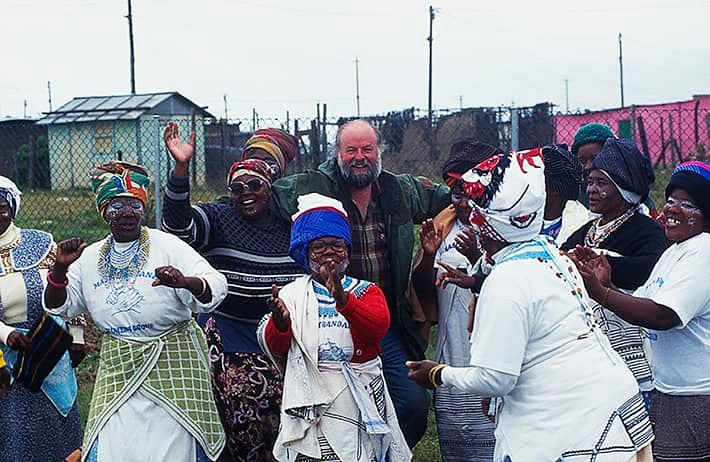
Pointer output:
x,y
278,55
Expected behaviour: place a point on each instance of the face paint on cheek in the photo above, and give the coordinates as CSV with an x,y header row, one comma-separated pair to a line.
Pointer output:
x,y
691,221
340,267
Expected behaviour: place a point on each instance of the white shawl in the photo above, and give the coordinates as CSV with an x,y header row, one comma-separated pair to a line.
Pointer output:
x,y
325,401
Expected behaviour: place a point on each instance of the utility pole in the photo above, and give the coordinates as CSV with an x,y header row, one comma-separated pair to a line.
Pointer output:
x,y
25,110
461,102
357,85
49,94
130,41
621,71
226,114
567,95
431,40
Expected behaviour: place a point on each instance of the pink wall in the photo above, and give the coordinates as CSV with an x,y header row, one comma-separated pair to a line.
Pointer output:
x,y
672,125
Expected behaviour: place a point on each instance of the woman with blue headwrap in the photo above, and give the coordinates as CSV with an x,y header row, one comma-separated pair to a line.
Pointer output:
x,y
323,332
33,426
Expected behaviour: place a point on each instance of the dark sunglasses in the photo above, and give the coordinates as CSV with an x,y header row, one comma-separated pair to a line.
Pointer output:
x,y
254,185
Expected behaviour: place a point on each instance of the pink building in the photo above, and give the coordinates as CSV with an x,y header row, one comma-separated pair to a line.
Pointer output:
x,y
667,132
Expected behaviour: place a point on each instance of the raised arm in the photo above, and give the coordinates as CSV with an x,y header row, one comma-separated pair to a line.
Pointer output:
x,y
58,282
428,198
179,218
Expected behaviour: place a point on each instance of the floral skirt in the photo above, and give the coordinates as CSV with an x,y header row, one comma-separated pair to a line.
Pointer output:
x,y
247,389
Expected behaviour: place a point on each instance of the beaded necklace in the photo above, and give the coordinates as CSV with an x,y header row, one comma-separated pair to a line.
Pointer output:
x,y
598,233
120,268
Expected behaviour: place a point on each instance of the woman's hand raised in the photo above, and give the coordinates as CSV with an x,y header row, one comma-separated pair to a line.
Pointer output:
x,y
181,152
279,313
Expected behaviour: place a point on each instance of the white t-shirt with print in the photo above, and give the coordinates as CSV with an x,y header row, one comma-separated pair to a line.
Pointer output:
x,y
680,281
569,379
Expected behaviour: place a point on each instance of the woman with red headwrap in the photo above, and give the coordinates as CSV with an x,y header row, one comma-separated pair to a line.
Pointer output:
x,y
249,245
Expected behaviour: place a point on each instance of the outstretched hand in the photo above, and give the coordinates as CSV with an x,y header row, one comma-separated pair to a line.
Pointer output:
x,y
419,372
430,237
329,274
181,152
451,275
594,269
279,313
169,276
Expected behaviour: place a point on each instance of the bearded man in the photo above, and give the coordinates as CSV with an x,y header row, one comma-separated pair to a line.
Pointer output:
x,y
383,208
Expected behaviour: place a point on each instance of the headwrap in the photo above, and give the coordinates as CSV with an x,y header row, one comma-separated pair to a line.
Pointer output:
x,y
118,179
629,170
463,156
317,216
563,171
507,194
694,178
256,167
591,133
11,193
277,142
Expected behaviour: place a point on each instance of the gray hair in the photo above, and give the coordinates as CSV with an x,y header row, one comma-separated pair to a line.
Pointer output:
x,y
378,135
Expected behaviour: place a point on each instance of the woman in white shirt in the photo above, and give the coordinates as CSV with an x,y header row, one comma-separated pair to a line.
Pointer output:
x,y
675,303
535,343
152,398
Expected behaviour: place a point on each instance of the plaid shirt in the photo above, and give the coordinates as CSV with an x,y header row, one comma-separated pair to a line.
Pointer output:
x,y
369,259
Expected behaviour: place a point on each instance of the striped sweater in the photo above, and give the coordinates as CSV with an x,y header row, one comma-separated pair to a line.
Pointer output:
x,y
252,257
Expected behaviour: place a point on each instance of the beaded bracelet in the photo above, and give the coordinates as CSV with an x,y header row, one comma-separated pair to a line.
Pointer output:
x,y
57,285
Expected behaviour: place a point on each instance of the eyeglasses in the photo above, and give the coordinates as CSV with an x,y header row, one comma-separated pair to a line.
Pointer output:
x,y
685,206
319,247
253,185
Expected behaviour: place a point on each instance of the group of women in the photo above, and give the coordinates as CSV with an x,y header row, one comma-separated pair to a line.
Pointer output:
x,y
542,352
621,271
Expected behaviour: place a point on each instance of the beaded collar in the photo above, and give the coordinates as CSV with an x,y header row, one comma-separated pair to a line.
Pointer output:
x,y
125,264
598,233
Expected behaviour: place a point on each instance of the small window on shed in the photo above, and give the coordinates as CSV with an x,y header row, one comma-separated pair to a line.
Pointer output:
x,y
624,128
103,137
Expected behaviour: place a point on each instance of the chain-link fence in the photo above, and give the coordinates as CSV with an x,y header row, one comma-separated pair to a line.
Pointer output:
x,y
50,161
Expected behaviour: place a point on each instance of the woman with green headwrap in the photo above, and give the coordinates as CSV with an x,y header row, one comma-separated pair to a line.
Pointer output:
x,y
152,398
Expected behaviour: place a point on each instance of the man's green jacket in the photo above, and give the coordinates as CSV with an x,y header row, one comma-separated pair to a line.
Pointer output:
x,y
405,199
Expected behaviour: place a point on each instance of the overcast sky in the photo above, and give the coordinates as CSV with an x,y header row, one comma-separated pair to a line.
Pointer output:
x,y
277,55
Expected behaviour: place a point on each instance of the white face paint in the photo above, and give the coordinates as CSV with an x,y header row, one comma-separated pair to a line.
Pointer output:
x,y
340,268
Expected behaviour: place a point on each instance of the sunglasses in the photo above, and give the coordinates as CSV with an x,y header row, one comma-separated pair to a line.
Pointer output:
x,y
253,185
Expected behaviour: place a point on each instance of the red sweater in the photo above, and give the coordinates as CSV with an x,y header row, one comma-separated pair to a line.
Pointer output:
x,y
369,319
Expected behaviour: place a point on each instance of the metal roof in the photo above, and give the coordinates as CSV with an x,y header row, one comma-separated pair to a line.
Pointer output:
x,y
116,107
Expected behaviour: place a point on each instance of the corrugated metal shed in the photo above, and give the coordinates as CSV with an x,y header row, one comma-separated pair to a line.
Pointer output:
x,y
122,107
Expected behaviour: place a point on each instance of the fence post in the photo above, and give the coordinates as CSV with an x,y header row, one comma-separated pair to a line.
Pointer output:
x,y
514,129
31,162
157,172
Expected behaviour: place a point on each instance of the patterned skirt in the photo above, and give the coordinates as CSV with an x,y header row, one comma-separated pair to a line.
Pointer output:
x,y
465,434
682,427
247,389
31,428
